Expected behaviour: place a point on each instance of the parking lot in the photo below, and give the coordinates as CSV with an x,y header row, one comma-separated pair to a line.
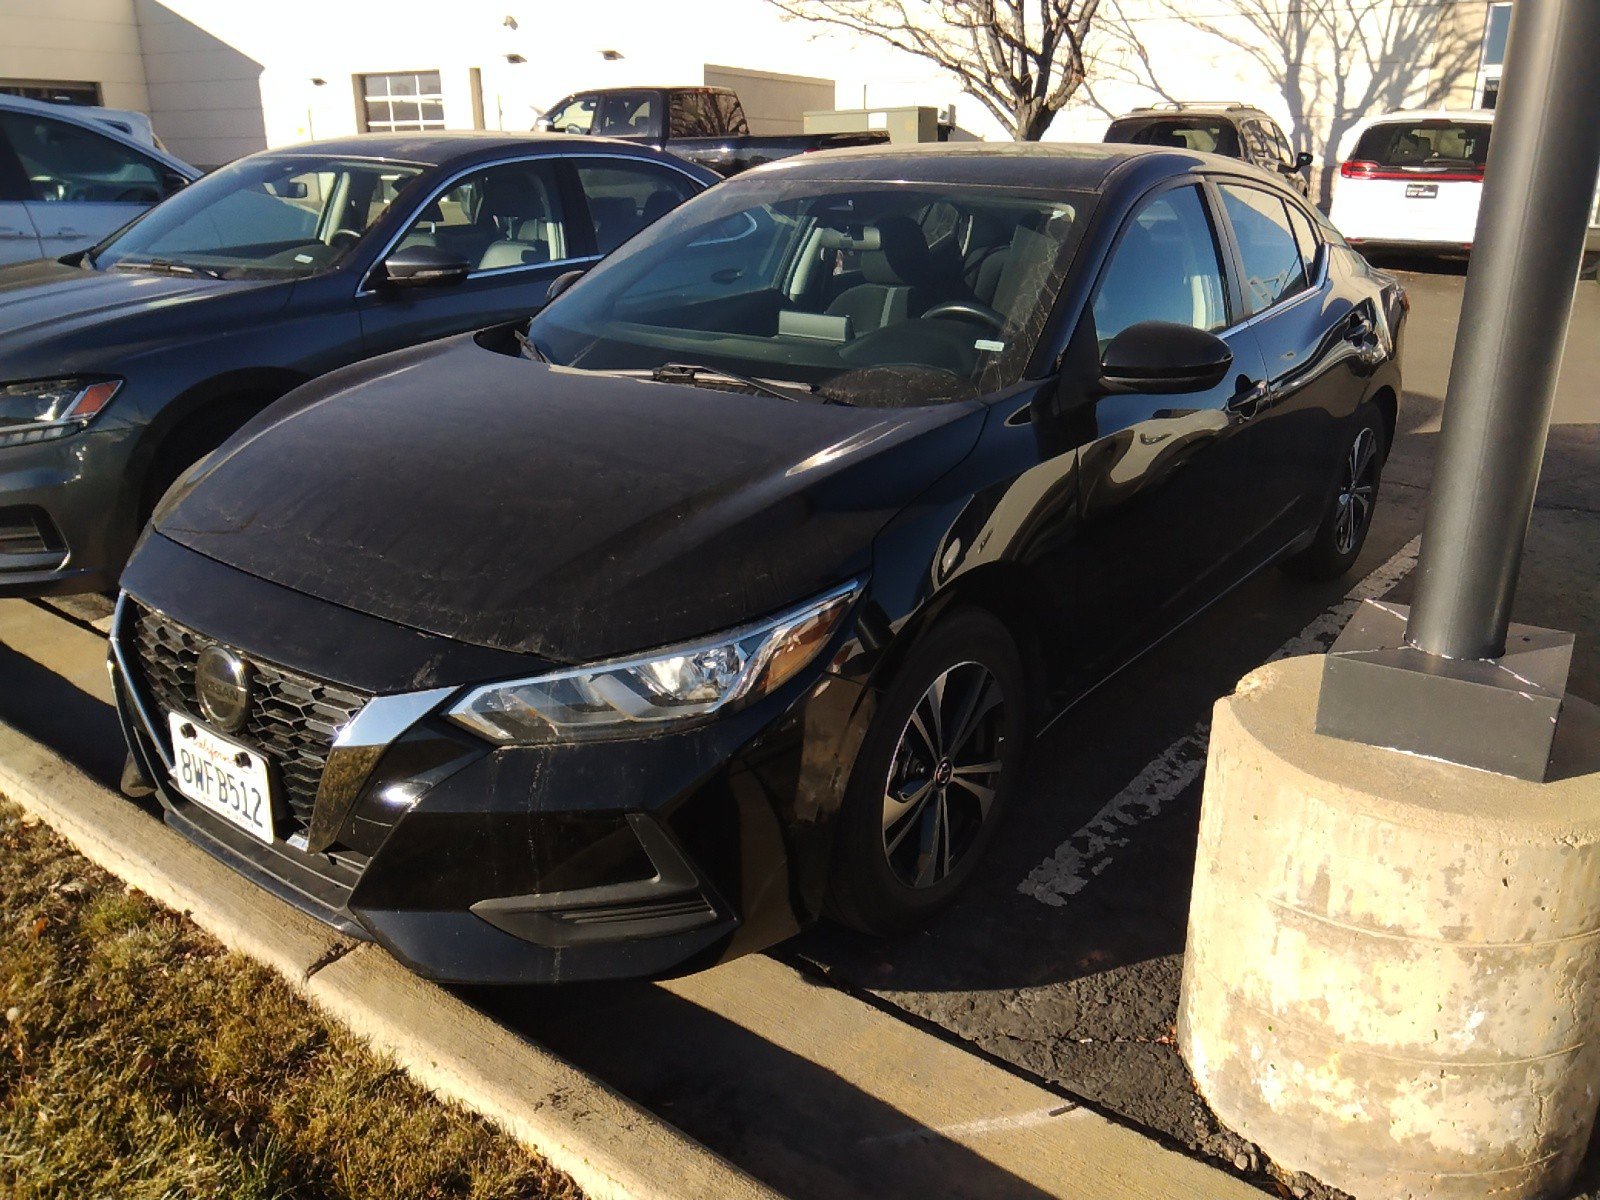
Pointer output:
x,y
1062,962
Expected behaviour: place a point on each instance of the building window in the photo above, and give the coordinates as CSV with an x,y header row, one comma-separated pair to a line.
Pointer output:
x,y
1494,54
407,101
53,91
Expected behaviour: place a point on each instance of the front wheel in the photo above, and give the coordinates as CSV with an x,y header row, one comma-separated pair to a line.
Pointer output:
x,y
1348,516
936,770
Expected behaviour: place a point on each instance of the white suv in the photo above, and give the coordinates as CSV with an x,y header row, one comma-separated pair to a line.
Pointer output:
x,y
1414,181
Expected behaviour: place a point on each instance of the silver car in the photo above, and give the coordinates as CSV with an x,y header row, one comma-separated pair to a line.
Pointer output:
x,y
67,179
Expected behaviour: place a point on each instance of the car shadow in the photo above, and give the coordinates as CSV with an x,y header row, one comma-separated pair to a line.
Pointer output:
x,y
789,1121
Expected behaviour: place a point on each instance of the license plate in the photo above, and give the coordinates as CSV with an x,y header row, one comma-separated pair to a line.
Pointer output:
x,y
1422,191
221,776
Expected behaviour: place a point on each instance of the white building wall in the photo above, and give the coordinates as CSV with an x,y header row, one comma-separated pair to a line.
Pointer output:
x,y
95,41
226,77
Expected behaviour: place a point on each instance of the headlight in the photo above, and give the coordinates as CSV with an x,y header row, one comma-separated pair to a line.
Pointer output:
x,y
672,687
50,408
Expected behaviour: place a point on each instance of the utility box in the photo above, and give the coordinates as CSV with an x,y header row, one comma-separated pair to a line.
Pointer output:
x,y
773,104
909,123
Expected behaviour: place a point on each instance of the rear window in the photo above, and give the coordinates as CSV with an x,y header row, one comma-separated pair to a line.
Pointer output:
x,y
1424,144
1207,134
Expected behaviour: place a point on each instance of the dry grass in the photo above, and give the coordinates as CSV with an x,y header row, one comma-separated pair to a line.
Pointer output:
x,y
142,1061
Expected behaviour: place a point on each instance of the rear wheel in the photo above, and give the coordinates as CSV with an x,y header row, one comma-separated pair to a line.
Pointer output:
x,y
936,770
1348,516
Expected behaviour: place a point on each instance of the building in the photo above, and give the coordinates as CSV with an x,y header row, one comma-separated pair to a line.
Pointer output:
x,y
221,78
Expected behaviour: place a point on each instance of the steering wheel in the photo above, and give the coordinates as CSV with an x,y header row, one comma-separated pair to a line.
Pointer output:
x,y
343,237
969,309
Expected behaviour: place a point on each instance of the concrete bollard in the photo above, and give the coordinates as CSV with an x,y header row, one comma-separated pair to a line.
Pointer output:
x,y
1393,973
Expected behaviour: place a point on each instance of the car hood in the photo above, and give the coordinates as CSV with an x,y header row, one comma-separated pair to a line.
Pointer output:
x,y
554,512
47,302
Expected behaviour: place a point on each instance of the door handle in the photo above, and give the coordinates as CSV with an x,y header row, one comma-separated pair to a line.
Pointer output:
x,y
65,231
8,233
1249,398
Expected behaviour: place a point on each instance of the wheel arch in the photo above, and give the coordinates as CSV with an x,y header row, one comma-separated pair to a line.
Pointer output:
x,y
221,403
1007,591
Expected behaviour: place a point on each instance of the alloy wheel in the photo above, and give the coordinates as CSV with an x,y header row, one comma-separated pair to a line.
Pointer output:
x,y
944,774
1357,487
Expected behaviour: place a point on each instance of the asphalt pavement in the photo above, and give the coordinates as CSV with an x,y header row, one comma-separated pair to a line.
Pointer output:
x,y
1062,961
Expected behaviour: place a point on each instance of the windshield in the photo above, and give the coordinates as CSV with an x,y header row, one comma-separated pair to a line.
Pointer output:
x,y
1210,135
262,217
869,293
1426,144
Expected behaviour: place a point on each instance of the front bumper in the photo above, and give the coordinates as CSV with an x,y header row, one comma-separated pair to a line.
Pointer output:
x,y
516,865
66,517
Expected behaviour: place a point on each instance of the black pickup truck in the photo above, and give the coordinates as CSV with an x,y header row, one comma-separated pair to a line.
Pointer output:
x,y
705,125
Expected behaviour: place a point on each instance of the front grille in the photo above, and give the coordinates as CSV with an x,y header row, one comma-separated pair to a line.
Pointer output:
x,y
293,718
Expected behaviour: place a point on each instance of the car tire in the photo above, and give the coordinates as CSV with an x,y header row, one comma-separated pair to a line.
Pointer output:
x,y
926,795
1347,517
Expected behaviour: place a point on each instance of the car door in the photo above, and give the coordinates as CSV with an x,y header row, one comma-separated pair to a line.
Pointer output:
x,y
516,224
81,184
1307,342
18,239
1164,479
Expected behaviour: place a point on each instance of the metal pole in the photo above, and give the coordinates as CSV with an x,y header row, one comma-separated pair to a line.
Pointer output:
x,y
1543,164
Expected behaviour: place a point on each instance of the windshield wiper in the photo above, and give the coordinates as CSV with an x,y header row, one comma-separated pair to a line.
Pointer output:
x,y
694,373
530,348
166,266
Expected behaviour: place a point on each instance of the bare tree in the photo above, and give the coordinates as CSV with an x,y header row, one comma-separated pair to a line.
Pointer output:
x,y
1022,59
1334,62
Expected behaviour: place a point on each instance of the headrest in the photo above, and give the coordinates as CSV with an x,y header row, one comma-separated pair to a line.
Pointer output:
x,y
512,194
658,204
902,255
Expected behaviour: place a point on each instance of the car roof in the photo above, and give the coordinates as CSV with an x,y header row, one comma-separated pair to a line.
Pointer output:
x,y
1183,108
66,113
1433,114
1080,166
445,148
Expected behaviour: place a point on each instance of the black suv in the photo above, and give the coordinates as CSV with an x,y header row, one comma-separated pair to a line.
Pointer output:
x,y
1235,130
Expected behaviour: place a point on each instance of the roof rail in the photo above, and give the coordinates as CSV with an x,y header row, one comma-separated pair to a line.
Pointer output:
x,y
1181,105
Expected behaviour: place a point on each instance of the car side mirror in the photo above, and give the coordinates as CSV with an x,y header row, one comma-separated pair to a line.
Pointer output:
x,y
1302,160
542,125
1164,358
561,283
424,266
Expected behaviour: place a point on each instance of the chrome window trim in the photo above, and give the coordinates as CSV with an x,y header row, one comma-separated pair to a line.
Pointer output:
x,y
364,289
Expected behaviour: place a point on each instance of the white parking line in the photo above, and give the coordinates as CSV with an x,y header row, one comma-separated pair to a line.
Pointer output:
x,y
1089,850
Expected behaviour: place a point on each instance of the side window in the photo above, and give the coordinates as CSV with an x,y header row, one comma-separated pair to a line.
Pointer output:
x,y
573,115
1258,144
625,114
1281,143
1305,236
63,162
624,197
692,114
1166,267
505,216
730,114
1273,270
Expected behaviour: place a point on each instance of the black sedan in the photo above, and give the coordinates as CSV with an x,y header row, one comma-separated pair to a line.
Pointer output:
x,y
122,365
728,591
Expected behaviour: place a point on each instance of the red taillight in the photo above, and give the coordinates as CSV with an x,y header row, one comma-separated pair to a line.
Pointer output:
x,y
1360,168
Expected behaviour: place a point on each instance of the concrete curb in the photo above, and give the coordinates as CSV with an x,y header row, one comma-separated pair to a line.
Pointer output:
x,y
610,1146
